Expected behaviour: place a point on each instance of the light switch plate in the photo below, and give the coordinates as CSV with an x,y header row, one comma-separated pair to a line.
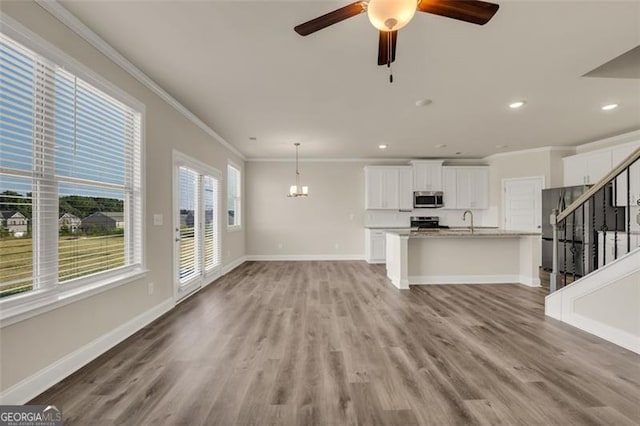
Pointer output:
x,y
157,219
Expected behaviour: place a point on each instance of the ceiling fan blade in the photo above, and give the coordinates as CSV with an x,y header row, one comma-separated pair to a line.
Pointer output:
x,y
474,11
331,18
383,47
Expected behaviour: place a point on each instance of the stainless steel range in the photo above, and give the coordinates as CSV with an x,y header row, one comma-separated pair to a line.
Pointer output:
x,y
421,223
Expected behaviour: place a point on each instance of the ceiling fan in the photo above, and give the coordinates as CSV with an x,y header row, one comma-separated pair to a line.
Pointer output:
x,y
388,16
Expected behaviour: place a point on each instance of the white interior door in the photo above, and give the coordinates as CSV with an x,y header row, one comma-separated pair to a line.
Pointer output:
x,y
523,203
196,225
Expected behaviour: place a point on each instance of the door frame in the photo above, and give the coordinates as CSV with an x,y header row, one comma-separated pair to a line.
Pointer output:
x,y
179,159
503,191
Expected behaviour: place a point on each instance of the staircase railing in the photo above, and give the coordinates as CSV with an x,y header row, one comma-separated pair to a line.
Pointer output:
x,y
580,230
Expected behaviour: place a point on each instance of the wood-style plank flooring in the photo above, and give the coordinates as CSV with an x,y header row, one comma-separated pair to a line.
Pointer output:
x,y
334,343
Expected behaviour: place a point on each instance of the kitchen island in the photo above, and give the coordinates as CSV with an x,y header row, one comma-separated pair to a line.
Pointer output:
x,y
458,256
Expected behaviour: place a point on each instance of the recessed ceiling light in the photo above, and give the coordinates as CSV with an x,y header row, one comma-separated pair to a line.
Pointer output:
x,y
516,105
609,107
383,146
423,102
253,138
501,146
458,153
441,145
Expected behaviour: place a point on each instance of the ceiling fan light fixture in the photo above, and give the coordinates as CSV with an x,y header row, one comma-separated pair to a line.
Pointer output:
x,y
391,15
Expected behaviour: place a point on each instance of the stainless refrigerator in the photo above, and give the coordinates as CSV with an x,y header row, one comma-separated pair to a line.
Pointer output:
x,y
576,245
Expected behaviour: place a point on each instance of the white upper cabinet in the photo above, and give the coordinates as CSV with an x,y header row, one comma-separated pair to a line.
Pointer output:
x,y
466,187
427,175
405,188
449,181
586,169
619,154
373,187
388,188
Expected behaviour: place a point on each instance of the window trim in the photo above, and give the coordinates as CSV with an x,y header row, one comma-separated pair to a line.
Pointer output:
x,y
238,226
40,300
205,277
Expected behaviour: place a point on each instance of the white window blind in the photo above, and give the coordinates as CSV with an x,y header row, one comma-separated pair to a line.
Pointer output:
x,y
190,265
234,184
70,164
211,229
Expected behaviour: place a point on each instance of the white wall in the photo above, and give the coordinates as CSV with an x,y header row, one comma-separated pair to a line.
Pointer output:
x,y
328,223
33,344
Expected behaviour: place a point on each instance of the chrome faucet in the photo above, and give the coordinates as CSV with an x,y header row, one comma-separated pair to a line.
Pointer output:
x,y
464,217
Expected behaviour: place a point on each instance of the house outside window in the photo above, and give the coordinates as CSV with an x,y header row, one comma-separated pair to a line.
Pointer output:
x,y
70,173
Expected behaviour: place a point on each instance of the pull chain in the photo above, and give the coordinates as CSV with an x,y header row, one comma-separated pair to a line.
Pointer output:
x,y
389,55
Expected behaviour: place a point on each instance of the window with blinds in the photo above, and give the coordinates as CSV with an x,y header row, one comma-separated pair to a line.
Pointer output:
x,y
233,196
70,176
198,231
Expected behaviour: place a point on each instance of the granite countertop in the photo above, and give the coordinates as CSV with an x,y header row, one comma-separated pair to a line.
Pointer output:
x,y
464,232
395,228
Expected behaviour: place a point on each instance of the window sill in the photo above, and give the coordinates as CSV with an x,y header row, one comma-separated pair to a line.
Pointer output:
x,y
33,303
234,228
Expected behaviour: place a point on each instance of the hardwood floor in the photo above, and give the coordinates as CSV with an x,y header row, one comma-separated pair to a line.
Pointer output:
x,y
334,343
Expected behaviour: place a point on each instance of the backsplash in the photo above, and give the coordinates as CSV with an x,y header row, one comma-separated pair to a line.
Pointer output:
x,y
384,218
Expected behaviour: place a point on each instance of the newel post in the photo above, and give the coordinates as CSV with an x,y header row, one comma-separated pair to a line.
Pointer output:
x,y
554,272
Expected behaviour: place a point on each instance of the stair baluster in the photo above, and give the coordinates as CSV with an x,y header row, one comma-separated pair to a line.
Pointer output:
x,y
594,238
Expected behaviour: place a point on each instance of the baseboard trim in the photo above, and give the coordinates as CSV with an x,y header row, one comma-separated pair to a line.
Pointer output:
x,y
530,281
606,332
303,257
233,264
32,386
464,279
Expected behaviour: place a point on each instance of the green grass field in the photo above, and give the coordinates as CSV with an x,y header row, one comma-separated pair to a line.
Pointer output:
x,y
78,256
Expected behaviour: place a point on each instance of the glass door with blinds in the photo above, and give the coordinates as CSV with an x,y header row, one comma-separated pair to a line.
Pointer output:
x,y
196,220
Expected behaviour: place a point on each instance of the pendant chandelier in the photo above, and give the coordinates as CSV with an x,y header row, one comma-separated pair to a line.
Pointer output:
x,y
297,190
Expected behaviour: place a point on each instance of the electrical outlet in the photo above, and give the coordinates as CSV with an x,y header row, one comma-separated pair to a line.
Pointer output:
x,y
351,217
337,246
158,220
280,245
150,288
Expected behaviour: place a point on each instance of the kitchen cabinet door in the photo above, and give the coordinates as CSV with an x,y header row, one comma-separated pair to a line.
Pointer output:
x,y
374,178
427,175
405,188
575,170
390,196
381,188
449,187
463,188
597,167
375,245
479,198
618,155
472,186
378,248
586,169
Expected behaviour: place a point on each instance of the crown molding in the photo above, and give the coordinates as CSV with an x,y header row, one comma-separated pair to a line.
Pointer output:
x,y
568,149
632,136
74,24
327,160
391,161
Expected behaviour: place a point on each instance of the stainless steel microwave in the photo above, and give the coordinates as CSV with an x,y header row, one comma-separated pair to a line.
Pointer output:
x,y
428,199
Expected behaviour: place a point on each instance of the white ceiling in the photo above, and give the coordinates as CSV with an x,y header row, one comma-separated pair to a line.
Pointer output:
x,y
240,67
